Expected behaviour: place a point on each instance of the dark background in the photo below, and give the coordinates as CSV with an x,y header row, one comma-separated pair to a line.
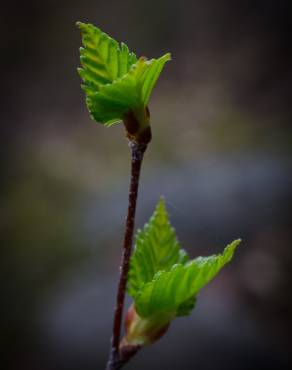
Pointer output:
x,y
221,155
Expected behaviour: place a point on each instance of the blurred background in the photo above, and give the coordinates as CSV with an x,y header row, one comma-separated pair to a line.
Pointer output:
x,y
221,155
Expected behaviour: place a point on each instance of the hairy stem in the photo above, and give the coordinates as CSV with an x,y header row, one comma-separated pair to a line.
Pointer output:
x,y
115,361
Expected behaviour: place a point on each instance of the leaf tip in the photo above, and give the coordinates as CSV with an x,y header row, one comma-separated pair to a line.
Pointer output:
x,y
161,206
231,247
80,24
167,57
235,243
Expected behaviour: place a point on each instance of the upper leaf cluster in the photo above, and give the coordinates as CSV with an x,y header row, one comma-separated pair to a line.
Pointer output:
x,y
114,79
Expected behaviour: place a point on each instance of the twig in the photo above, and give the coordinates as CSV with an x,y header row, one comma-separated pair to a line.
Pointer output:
x,y
115,361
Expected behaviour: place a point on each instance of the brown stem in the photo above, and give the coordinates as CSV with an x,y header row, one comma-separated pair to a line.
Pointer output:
x,y
138,150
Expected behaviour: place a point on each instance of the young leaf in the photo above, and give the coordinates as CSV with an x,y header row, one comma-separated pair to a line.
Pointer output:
x,y
115,82
102,58
156,249
171,292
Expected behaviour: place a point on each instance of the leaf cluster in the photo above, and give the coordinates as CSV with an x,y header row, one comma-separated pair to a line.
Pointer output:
x,y
162,279
115,81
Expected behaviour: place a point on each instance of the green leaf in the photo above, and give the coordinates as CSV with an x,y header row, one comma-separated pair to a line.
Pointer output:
x,y
156,249
114,81
102,58
148,79
172,292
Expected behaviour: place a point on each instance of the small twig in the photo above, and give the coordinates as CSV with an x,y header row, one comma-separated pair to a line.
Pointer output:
x,y
115,361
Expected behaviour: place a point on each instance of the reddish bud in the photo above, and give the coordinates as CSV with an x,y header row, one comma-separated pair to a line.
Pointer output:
x,y
143,331
137,125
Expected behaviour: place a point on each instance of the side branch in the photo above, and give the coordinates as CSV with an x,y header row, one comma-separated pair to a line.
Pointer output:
x,y
138,150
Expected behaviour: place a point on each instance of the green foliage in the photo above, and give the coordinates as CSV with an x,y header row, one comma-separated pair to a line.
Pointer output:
x,y
114,80
162,279
157,248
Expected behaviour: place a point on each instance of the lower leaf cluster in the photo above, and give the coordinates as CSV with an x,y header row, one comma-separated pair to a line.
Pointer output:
x,y
162,280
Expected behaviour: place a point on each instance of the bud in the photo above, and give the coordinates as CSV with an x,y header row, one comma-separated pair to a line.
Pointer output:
x,y
142,331
137,124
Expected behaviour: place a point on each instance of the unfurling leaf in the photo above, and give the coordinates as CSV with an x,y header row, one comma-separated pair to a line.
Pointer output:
x,y
156,249
163,282
169,291
116,83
